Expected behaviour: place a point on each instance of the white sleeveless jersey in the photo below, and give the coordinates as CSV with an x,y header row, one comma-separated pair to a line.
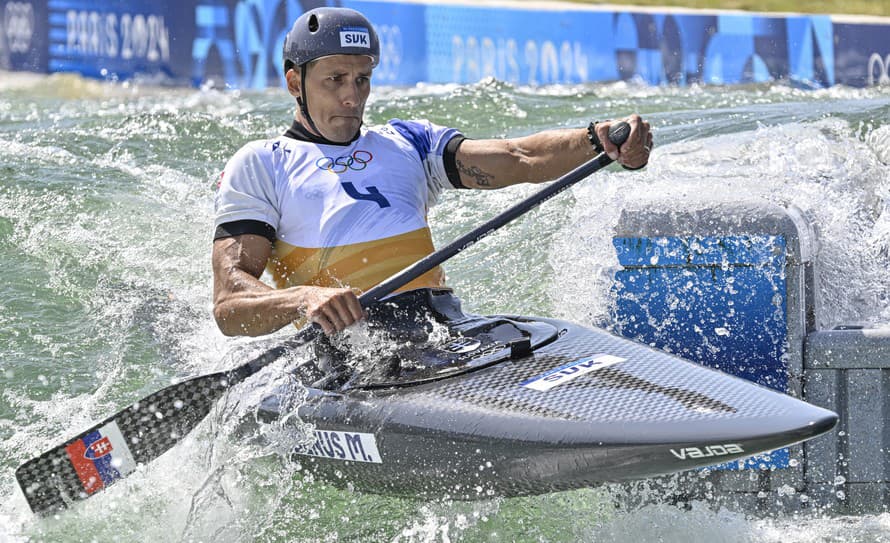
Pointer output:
x,y
343,215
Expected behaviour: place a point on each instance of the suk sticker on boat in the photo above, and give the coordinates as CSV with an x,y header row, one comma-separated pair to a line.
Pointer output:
x,y
355,446
570,371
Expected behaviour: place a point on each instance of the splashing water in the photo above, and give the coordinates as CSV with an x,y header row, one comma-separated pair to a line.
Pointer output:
x,y
105,227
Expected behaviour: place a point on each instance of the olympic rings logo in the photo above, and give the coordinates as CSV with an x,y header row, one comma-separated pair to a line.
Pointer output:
x,y
357,162
19,25
878,70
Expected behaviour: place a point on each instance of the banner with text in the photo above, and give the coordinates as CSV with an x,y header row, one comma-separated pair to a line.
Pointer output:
x,y
237,43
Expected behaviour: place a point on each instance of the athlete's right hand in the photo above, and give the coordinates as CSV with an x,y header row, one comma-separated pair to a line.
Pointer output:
x,y
331,308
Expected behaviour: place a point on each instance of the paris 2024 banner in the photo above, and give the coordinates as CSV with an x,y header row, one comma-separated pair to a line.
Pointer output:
x,y
237,44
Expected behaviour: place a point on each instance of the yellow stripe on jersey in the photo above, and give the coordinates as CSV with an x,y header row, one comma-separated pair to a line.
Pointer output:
x,y
358,265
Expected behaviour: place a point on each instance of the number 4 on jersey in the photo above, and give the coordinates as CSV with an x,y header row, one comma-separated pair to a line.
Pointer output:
x,y
373,195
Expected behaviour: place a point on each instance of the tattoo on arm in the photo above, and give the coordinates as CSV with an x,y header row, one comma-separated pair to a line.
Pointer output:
x,y
482,178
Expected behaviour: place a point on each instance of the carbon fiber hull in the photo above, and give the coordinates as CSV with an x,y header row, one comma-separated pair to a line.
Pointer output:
x,y
618,411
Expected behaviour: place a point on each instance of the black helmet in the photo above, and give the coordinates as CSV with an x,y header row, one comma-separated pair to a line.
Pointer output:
x,y
330,31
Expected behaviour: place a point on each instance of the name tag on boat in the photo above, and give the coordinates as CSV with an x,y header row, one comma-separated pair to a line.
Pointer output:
x,y
337,445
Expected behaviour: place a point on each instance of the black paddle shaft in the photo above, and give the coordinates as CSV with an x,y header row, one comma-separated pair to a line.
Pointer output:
x,y
143,431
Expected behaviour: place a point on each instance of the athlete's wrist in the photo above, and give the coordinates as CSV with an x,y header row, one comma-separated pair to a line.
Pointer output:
x,y
593,138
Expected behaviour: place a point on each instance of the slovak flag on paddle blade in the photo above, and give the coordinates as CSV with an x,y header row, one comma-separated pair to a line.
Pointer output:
x,y
101,457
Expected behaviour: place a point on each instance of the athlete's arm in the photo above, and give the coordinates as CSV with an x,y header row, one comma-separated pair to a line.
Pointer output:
x,y
496,163
245,306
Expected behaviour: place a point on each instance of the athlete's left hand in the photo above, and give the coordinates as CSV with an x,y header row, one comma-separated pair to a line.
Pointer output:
x,y
634,153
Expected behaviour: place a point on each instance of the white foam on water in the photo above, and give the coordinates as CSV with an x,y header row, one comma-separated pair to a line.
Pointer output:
x,y
137,263
216,484
823,167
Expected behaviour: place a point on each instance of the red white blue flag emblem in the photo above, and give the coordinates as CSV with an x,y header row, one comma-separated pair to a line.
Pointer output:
x,y
101,457
98,449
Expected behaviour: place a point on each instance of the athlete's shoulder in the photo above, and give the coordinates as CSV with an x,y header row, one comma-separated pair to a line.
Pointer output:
x,y
424,136
382,138
258,159
252,150
274,152
413,128
380,132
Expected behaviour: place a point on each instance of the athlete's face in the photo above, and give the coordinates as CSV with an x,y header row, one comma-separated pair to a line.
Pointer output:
x,y
337,88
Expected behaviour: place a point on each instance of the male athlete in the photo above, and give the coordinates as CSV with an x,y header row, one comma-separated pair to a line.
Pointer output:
x,y
332,207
